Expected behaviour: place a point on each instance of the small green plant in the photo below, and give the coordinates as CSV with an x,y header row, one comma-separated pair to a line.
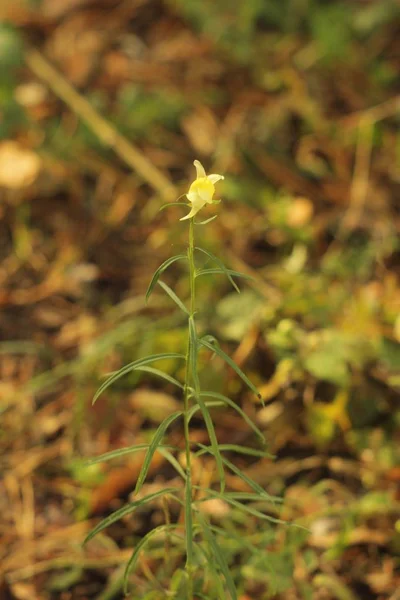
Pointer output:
x,y
206,572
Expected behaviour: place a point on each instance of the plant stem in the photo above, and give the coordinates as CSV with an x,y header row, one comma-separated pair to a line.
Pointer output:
x,y
188,483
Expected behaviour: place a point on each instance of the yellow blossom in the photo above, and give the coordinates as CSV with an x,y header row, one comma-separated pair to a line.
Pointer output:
x,y
202,190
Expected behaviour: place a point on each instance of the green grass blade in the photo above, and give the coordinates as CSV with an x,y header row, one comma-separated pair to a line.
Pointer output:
x,y
206,221
252,497
241,412
131,367
131,565
241,450
168,204
214,347
219,557
243,507
161,374
160,270
220,264
126,510
174,297
213,439
215,577
155,442
123,452
217,271
250,482
196,407
165,451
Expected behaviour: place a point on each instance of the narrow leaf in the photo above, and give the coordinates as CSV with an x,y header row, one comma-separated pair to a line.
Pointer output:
x,y
214,347
123,452
194,409
161,374
219,557
242,541
242,450
243,507
252,497
131,367
168,204
213,439
207,220
165,451
174,297
139,547
126,510
241,412
220,264
155,442
250,482
215,576
217,271
160,270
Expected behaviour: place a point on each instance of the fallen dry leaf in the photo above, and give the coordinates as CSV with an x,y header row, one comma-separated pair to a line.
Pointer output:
x,y
19,167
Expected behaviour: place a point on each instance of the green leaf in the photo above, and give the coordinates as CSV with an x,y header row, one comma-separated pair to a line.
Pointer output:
x,y
194,409
241,450
242,542
206,221
160,270
216,270
65,580
215,576
327,367
174,297
213,439
251,497
214,347
243,507
250,482
126,510
168,204
219,557
139,547
220,264
131,367
123,452
164,451
155,442
161,374
241,412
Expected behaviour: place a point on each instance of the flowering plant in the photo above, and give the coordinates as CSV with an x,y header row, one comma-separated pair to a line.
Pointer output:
x,y
205,573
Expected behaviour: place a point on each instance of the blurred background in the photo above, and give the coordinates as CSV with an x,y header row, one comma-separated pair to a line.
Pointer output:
x,y
104,105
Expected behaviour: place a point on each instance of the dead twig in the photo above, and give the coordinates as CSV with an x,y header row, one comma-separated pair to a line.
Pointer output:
x,y
106,133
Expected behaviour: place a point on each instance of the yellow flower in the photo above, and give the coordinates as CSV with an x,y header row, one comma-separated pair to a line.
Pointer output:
x,y
202,190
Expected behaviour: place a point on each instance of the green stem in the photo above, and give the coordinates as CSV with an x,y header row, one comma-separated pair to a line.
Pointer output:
x,y
188,483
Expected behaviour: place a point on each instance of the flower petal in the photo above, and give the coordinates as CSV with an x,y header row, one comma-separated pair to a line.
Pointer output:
x,y
196,206
193,197
214,178
200,172
206,194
